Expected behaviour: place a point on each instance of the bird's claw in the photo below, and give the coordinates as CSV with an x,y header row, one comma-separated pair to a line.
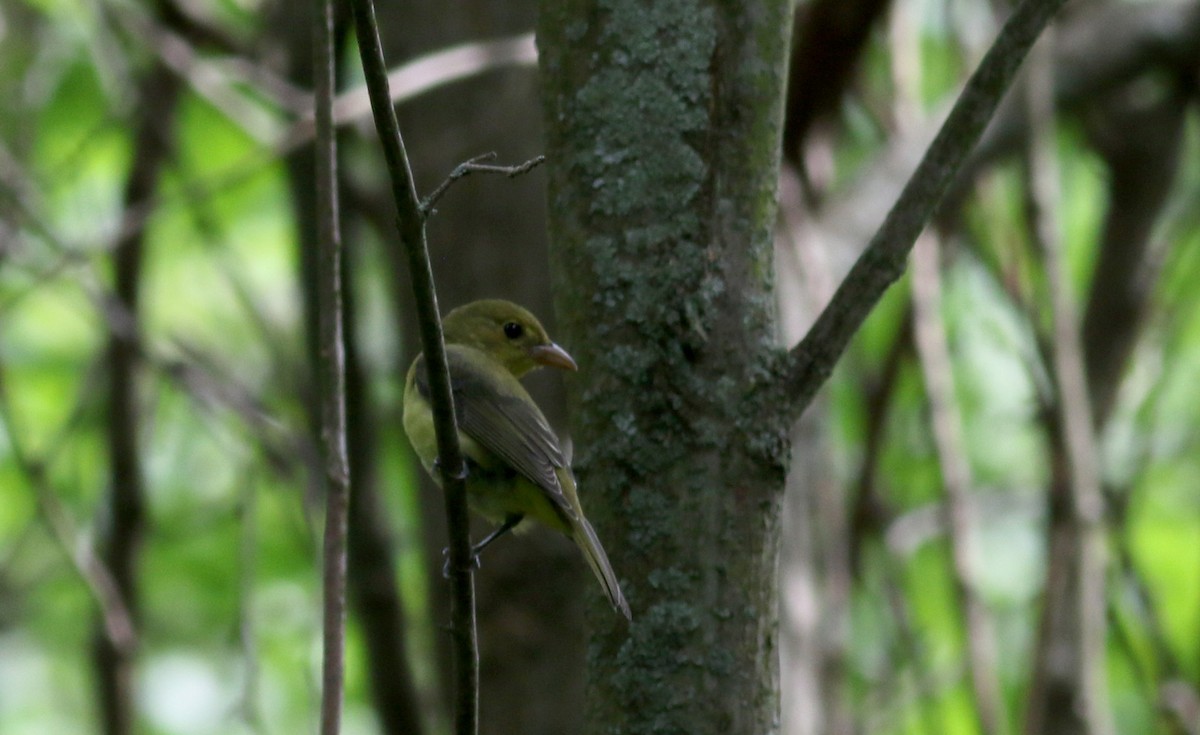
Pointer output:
x,y
437,469
446,562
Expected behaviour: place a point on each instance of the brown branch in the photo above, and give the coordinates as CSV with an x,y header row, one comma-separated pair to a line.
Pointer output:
x,y
1098,51
411,226
811,362
1079,627
829,37
938,373
1142,174
447,66
117,622
374,589
907,643
1143,171
331,368
121,538
247,516
1101,49
870,513
476,166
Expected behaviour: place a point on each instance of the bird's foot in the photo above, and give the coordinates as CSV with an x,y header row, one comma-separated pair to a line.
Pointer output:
x,y
446,561
437,469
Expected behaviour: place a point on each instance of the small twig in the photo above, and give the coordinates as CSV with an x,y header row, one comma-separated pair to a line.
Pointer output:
x,y
937,371
118,622
907,643
811,362
870,511
411,225
247,510
125,502
195,373
474,166
946,421
1083,545
331,368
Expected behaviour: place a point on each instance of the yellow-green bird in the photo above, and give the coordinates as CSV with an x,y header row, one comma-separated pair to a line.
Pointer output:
x,y
516,469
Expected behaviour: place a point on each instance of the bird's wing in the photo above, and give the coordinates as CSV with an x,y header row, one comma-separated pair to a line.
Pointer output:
x,y
494,409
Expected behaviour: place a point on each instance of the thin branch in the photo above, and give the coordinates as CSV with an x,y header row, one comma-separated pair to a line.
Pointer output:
x,y
1085,529
332,374
437,69
197,374
929,331
120,541
420,76
222,88
375,595
870,512
904,645
247,511
411,228
118,623
476,166
811,362
938,373
220,83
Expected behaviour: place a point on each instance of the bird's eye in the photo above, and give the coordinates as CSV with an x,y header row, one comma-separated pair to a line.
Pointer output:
x,y
512,330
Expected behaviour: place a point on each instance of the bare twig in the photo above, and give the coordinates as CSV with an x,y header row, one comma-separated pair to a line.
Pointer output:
x,y
937,371
374,589
219,81
410,222
121,538
870,512
247,704
476,166
811,361
1143,170
222,87
331,368
439,68
197,374
118,623
938,374
905,645
1083,540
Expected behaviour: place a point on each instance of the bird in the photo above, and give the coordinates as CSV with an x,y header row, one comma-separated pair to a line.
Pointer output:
x,y
516,469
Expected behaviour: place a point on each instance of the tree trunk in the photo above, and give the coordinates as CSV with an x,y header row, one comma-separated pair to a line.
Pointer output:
x,y
663,125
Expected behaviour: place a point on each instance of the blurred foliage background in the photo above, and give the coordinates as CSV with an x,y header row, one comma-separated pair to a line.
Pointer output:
x,y
151,204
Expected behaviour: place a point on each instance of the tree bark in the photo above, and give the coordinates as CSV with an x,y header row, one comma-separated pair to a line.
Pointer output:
x,y
663,124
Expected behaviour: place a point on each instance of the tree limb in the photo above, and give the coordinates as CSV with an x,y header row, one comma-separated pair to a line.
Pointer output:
x,y
121,539
1078,630
938,374
331,368
117,622
411,226
811,362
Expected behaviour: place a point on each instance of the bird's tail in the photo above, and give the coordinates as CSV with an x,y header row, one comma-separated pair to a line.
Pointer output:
x,y
589,544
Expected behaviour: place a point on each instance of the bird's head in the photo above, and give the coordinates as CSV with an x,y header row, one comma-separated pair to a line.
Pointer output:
x,y
508,333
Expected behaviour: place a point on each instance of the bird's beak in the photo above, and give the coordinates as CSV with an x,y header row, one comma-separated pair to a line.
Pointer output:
x,y
552,355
